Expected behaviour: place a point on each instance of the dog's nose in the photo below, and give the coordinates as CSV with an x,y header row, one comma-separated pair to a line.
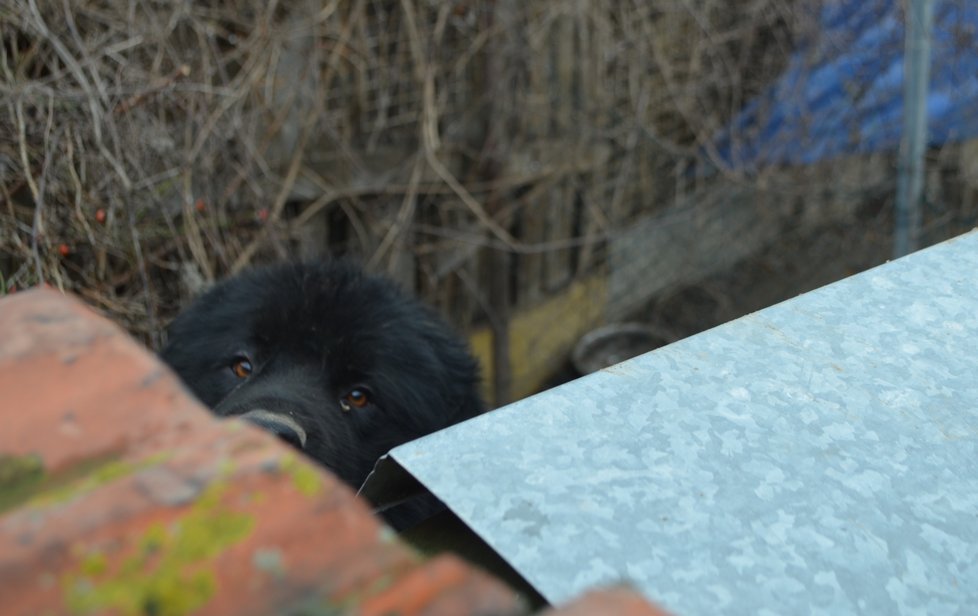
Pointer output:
x,y
280,425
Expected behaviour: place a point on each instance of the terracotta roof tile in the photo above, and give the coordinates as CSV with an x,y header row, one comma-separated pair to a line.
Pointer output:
x,y
120,494
620,601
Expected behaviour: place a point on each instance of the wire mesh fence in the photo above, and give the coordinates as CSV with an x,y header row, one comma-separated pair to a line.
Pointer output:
x,y
534,170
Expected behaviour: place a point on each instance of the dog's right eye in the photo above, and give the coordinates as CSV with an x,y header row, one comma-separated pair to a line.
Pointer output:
x,y
241,367
358,398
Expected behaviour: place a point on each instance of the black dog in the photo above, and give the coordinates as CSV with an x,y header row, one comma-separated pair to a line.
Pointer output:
x,y
338,363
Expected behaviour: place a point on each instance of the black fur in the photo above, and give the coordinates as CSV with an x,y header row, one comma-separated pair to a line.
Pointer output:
x,y
313,333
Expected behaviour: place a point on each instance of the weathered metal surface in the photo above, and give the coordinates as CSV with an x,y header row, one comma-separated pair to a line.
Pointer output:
x,y
820,456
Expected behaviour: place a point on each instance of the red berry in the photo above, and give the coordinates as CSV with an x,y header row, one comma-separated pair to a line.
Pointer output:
x,y
200,205
100,216
64,250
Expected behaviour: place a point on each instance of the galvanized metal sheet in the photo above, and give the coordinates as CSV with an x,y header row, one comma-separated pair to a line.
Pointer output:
x,y
820,456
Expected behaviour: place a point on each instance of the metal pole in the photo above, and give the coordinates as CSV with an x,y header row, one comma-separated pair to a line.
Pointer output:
x,y
916,69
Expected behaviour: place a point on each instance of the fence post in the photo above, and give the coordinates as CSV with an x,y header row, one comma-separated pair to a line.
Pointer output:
x,y
916,69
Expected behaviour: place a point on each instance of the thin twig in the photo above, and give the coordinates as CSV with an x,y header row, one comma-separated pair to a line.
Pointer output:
x,y
275,213
402,222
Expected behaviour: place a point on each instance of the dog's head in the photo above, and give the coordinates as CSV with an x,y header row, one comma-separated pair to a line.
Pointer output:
x,y
340,364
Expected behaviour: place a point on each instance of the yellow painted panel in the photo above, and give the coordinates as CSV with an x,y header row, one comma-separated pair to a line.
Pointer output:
x,y
480,343
541,336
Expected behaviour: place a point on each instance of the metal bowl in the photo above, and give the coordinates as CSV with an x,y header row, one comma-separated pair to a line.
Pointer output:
x,y
612,344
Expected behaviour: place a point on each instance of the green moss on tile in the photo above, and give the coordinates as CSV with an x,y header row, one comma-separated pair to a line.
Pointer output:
x,y
168,574
24,480
20,478
87,476
94,564
305,479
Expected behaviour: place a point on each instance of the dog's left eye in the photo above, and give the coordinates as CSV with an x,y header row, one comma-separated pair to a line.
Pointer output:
x,y
358,398
241,368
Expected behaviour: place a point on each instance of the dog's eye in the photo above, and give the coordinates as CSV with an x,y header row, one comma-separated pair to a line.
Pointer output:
x,y
241,367
358,398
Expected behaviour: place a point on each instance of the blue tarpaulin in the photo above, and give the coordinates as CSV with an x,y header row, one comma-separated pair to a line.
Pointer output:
x,y
842,92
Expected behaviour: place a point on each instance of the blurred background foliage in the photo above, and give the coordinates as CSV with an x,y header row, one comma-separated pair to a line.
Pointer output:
x,y
533,169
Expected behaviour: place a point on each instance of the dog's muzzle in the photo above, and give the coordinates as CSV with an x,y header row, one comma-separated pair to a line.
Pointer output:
x,y
280,425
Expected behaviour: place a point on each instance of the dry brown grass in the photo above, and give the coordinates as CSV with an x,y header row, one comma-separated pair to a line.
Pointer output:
x,y
147,148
